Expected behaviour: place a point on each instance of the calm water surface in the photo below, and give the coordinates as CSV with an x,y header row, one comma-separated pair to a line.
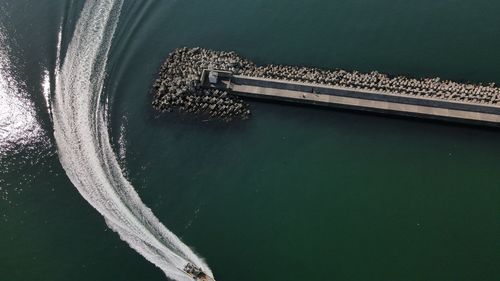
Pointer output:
x,y
295,193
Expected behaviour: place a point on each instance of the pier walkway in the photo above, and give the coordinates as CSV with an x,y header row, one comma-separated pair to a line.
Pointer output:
x,y
355,99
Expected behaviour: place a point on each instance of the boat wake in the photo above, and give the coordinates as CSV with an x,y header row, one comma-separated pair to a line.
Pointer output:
x,y
79,113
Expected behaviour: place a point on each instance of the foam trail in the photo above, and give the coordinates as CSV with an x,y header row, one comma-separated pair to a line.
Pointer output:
x,y
81,133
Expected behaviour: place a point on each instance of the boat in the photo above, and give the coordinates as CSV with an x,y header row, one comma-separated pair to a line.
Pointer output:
x,y
196,273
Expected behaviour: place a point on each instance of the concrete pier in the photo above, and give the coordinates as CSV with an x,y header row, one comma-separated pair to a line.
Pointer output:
x,y
354,99
211,83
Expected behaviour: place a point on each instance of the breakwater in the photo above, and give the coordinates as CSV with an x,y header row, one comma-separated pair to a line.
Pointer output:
x,y
178,86
186,74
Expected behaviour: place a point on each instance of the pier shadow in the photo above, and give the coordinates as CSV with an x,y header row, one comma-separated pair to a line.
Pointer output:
x,y
408,120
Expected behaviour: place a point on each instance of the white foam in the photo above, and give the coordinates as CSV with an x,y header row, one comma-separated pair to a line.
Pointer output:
x,y
81,133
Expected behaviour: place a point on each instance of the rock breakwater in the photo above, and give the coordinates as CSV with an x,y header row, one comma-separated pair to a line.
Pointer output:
x,y
179,87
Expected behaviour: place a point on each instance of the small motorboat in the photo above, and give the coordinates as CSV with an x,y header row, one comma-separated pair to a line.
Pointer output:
x,y
196,273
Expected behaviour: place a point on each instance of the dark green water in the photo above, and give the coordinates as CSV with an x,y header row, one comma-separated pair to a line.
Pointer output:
x,y
295,193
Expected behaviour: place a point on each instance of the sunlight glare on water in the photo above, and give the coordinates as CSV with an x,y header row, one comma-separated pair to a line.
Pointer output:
x,y
18,125
23,141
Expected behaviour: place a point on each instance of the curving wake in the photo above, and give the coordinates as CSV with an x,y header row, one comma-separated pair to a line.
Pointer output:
x,y
80,129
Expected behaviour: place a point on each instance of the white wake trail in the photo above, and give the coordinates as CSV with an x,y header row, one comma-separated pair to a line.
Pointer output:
x,y
81,133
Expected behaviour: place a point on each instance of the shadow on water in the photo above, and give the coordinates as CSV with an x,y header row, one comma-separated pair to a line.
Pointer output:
x,y
416,122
